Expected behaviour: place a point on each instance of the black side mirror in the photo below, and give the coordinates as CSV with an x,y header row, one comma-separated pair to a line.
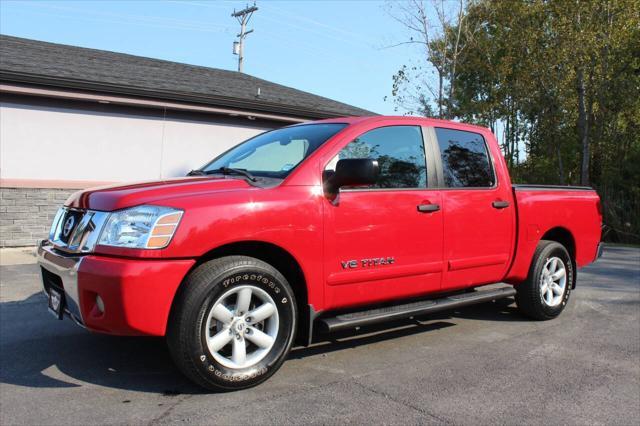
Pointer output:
x,y
351,172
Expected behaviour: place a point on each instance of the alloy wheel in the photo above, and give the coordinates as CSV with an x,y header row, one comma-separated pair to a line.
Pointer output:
x,y
553,281
241,327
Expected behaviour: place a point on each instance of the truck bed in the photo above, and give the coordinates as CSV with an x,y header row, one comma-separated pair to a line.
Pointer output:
x,y
571,211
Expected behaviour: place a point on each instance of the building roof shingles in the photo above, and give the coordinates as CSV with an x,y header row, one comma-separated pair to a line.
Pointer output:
x,y
30,61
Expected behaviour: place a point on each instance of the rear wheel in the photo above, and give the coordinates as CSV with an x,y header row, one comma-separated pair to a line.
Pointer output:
x,y
546,290
233,324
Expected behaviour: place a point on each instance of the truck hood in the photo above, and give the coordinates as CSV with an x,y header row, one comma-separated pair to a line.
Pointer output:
x,y
115,197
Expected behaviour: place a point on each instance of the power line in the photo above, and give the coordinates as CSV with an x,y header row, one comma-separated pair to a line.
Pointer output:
x,y
128,19
243,16
352,36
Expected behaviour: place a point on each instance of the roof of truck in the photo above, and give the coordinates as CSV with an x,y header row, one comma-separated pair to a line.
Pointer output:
x,y
434,122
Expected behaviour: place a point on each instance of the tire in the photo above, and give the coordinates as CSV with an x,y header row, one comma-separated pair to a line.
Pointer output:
x,y
208,329
541,296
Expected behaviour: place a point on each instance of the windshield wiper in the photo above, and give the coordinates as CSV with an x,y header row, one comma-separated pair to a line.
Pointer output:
x,y
231,171
196,173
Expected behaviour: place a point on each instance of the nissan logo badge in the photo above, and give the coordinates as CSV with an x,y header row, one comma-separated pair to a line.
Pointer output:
x,y
68,226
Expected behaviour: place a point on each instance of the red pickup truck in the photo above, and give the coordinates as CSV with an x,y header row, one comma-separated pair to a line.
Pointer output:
x,y
327,225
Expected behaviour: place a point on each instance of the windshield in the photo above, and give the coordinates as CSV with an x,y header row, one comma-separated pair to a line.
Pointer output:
x,y
275,153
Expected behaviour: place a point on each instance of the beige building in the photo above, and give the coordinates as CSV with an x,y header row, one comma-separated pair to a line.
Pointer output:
x,y
72,118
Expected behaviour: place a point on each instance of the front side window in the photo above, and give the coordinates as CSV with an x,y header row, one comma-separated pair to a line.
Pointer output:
x,y
276,153
465,160
399,151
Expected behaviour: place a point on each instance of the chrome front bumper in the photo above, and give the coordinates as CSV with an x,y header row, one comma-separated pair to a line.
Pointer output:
x,y
61,272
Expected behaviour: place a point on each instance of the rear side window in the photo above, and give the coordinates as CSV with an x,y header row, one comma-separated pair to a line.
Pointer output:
x,y
465,160
399,151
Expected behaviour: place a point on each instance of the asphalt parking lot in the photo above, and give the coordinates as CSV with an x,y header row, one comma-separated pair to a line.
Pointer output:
x,y
479,365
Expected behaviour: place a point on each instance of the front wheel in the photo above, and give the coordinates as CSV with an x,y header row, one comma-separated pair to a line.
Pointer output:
x,y
233,323
546,290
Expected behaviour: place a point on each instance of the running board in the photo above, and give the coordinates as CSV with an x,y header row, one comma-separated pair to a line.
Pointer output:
x,y
395,312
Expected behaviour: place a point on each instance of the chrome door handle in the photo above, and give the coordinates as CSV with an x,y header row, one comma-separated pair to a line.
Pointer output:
x,y
428,208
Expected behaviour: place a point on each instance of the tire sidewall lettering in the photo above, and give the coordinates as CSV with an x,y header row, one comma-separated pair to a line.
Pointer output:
x,y
259,279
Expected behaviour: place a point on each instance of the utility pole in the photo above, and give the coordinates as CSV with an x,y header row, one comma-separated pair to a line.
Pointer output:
x,y
243,16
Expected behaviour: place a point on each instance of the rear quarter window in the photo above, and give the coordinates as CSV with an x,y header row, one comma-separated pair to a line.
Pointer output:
x,y
465,160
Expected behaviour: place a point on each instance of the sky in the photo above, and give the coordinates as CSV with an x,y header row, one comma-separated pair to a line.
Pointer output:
x,y
337,49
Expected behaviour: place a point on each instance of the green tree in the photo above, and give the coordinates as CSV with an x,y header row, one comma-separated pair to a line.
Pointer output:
x,y
558,81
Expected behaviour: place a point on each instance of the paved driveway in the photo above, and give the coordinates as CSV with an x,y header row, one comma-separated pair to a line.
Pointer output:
x,y
479,365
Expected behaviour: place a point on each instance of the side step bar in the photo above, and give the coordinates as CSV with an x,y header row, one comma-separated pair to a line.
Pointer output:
x,y
395,312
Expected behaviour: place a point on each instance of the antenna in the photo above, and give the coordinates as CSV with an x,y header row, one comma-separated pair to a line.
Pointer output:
x,y
243,16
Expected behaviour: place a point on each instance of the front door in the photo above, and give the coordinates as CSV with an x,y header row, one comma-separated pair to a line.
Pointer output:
x,y
385,241
478,219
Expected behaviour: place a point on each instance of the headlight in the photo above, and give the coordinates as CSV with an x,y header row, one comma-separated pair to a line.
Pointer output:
x,y
143,227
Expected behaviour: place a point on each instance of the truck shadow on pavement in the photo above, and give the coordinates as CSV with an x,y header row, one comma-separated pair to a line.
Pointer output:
x,y
38,351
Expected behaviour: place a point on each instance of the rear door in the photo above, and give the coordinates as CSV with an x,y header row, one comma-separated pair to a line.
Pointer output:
x,y
478,216
382,242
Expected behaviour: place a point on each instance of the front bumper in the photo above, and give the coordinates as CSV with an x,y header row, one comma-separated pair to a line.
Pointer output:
x,y
61,272
136,294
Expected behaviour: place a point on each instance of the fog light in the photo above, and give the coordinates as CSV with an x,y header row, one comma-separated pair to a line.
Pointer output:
x,y
99,304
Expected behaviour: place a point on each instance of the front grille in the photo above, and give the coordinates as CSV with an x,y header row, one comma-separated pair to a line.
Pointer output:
x,y
77,231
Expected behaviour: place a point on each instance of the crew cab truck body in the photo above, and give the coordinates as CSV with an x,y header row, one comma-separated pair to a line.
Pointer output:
x,y
331,224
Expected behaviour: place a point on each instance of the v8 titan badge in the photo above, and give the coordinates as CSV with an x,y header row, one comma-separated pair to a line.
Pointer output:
x,y
367,263
56,303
